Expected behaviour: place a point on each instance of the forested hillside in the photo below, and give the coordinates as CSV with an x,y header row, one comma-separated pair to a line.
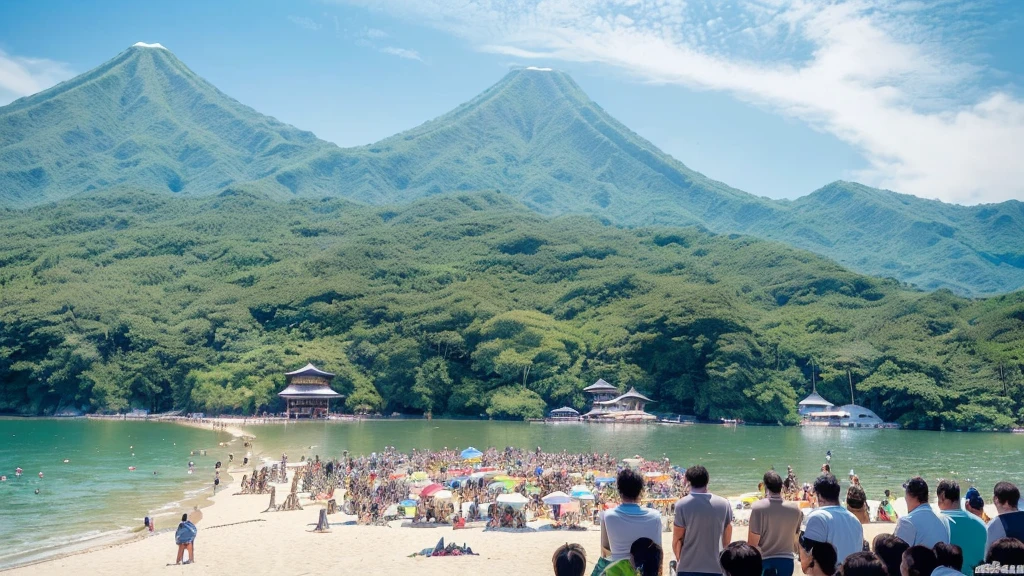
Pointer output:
x,y
145,120
469,304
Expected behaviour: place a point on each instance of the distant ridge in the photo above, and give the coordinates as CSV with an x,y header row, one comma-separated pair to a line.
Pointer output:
x,y
144,120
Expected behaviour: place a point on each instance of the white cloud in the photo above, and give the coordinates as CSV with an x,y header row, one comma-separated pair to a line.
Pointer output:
x,y
21,76
304,22
376,33
402,53
894,78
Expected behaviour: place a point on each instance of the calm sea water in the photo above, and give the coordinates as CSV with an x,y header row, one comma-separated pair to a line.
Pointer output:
x,y
94,496
95,493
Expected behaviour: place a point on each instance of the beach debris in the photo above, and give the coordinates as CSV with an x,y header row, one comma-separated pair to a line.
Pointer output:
x,y
272,507
332,506
450,550
290,503
323,525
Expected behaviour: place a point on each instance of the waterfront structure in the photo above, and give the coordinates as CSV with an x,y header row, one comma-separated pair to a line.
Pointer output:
x,y
564,413
309,393
848,416
608,405
814,403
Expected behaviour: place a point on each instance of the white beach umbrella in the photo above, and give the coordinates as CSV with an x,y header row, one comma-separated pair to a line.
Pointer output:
x,y
513,500
557,498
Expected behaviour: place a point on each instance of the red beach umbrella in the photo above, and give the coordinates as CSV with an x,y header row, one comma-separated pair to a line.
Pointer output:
x,y
430,489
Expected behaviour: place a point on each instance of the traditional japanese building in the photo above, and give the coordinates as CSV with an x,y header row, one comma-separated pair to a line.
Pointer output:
x,y
309,393
609,405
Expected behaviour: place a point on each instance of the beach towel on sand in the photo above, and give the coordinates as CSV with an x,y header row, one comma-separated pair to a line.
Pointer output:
x,y
185,533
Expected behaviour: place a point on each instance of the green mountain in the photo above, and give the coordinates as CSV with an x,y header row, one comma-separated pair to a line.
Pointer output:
x,y
142,119
145,120
469,304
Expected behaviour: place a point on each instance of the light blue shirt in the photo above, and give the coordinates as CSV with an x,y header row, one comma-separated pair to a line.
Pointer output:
x,y
922,527
625,523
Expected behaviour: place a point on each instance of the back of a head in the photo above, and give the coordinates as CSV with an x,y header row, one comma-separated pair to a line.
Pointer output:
x,y
772,482
890,550
647,556
630,484
184,517
740,559
917,488
569,560
949,555
948,490
1007,493
856,497
827,487
920,561
698,476
864,564
1006,551
824,556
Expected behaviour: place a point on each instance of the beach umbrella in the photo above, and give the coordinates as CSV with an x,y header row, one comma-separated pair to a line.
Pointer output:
x,y
443,495
471,454
632,461
430,490
531,489
407,503
513,500
581,492
604,480
477,475
557,498
496,487
418,476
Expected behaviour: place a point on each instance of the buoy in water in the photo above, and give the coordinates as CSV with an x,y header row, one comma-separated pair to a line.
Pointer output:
x,y
66,460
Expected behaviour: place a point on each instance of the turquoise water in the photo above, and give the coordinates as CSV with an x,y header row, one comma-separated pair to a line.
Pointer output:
x,y
95,494
94,497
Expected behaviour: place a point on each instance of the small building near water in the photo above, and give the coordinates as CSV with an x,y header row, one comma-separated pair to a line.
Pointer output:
x,y
309,393
610,406
814,403
564,413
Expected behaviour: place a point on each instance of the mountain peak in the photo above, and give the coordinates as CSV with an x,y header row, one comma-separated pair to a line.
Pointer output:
x,y
144,45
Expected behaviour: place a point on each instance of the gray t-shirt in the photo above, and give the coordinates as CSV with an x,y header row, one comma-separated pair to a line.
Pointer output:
x,y
777,522
704,516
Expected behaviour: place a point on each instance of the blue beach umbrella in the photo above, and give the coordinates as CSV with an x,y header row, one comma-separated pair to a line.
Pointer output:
x,y
408,503
471,453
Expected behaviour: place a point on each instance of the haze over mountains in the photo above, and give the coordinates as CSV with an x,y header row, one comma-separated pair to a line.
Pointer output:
x,y
144,120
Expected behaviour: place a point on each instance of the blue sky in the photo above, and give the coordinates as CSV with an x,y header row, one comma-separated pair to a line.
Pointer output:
x,y
776,97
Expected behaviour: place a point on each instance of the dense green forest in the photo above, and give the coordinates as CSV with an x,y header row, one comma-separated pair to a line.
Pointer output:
x,y
469,304
144,119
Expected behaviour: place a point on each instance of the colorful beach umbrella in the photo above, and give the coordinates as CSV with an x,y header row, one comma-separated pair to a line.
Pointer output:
x,y
557,498
417,476
471,454
581,492
497,487
443,495
430,490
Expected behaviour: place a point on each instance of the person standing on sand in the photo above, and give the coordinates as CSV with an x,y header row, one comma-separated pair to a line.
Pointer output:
x,y
965,529
185,537
921,526
775,526
703,527
216,480
831,522
624,524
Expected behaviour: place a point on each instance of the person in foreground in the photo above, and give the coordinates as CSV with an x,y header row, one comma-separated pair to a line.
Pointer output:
x,y
1010,521
864,564
703,527
775,526
890,550
647,557
1006,551
623,525
569,560
832,523
965,529
950,559
185,537
817,558
741,559
918,561
921,526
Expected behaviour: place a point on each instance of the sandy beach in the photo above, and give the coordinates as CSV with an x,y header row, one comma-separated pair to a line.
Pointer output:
x,y
236,537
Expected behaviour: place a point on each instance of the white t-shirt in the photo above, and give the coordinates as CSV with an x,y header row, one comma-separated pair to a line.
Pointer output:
x,y
922,527
837,526
626,523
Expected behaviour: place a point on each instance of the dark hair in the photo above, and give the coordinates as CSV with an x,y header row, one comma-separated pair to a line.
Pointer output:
x,y
824,556
740,559
826,486
569,560
917,488
949,555
1006,551
948,489
772,482
184,517
698,476
864,564
630,483
890,549
1006,493
856,497
647,556
920,561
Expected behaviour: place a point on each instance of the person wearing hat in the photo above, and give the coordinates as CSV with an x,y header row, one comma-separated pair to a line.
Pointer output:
x,y
975,504
921,526
965,529
1010,521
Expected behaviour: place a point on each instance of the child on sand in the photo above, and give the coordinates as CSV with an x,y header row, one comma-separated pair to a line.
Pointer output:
x,y
185,537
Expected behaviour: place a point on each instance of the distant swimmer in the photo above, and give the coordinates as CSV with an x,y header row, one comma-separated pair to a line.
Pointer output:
x,y
17,472
40,474
828,456
131,468
37,490
66,460
3,478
